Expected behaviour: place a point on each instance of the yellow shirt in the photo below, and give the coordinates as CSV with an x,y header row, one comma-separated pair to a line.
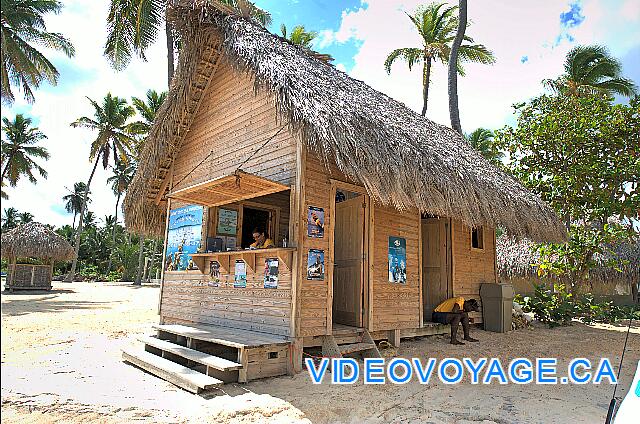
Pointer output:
x,y
267,243
447,305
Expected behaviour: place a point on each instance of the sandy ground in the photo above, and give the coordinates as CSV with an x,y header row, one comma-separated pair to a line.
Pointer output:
x,y
61,363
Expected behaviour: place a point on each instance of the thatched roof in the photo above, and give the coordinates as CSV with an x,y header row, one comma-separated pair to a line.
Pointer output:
x,y
400,157
35,240
516,258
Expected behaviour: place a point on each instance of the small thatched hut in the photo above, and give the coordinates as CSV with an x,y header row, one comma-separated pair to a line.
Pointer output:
x,y
377,213
33,240
516,261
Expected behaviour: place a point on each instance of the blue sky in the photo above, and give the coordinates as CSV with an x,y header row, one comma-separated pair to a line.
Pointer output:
x,y
529,39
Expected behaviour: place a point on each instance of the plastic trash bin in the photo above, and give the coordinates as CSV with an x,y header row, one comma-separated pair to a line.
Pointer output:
x,y
497,302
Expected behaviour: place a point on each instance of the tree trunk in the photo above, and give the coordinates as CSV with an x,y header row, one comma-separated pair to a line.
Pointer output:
x,y
113,234
74,264
138,280
73,227
6,168
426,74
170,55
153,256
454,112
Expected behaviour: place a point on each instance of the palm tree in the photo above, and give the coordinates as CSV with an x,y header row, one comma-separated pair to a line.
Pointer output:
x,y
591,70
452,74
114,137
89,219
120,180
482,140
18,150
299,36
437,29
10,219
147,108
25,217
133,26
22,23
73,200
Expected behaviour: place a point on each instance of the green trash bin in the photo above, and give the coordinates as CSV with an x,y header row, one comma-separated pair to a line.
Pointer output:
x,y
497,303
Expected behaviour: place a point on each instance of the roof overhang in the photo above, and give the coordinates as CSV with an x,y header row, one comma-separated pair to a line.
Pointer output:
x,y
228,189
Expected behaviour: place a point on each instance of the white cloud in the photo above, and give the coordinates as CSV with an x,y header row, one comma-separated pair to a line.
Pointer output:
x,y
56,107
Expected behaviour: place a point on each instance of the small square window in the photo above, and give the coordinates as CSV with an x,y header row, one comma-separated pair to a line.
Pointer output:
x,y
477,238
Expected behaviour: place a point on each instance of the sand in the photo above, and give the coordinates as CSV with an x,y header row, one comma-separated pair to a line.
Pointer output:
x,y
61,363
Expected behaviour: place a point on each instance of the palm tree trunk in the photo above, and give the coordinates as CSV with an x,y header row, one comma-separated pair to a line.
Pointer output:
x,y
73,227
153,255
74,264
426,74
113,234
138,280
6,168
454,112
170,56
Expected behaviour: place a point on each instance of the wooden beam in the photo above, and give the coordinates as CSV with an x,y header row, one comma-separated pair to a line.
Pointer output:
x,y
163,185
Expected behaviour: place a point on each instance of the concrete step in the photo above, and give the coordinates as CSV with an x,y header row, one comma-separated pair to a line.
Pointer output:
x,y
216,362
184,377
355,347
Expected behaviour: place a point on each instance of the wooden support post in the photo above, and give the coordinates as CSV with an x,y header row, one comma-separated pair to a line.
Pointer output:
x,y
243,359
394,337
295,362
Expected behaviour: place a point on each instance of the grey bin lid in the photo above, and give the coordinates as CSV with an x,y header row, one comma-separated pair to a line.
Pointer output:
x,y
496,291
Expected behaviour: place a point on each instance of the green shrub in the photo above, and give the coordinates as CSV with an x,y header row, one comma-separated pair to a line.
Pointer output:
x,y
559,307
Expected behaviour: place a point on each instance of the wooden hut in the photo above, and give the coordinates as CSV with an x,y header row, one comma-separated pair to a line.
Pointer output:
x,y
377,213
36,241
516,261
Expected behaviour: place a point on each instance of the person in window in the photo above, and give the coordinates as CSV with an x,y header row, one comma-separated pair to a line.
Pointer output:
x,y
261,240
455,311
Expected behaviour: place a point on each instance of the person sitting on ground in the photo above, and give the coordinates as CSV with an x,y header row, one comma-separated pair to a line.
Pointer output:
x,y
262,241
455,311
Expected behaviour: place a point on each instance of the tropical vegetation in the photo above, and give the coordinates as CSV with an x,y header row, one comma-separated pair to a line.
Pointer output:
x,y
590,70
20,151
437,26
22,28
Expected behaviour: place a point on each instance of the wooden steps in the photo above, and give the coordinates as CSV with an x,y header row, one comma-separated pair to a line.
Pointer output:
x,y
177,374
198,357
190,354
360,342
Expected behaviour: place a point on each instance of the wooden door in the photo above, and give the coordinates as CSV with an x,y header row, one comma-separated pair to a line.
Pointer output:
x,y
436,263
348,262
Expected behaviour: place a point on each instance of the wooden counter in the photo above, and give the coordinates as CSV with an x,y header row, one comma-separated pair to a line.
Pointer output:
x,y
227,259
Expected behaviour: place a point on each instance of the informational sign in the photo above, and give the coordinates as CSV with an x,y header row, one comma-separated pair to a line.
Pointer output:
x,y
271,273
227,222
315,265
184,237
397,260
315,222
214,274
240,275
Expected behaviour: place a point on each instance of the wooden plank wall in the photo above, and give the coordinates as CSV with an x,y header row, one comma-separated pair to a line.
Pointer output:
x,y
191,296
395,305
313,301
472,267
234,122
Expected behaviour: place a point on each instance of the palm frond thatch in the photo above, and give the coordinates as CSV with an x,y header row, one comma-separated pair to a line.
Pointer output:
x,y
400,157
35,240
517,259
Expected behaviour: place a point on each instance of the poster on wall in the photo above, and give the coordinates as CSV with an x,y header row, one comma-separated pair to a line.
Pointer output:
x,y
214,274
240,275
184,237
271,273
227,222
397,260
315,265
315,222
